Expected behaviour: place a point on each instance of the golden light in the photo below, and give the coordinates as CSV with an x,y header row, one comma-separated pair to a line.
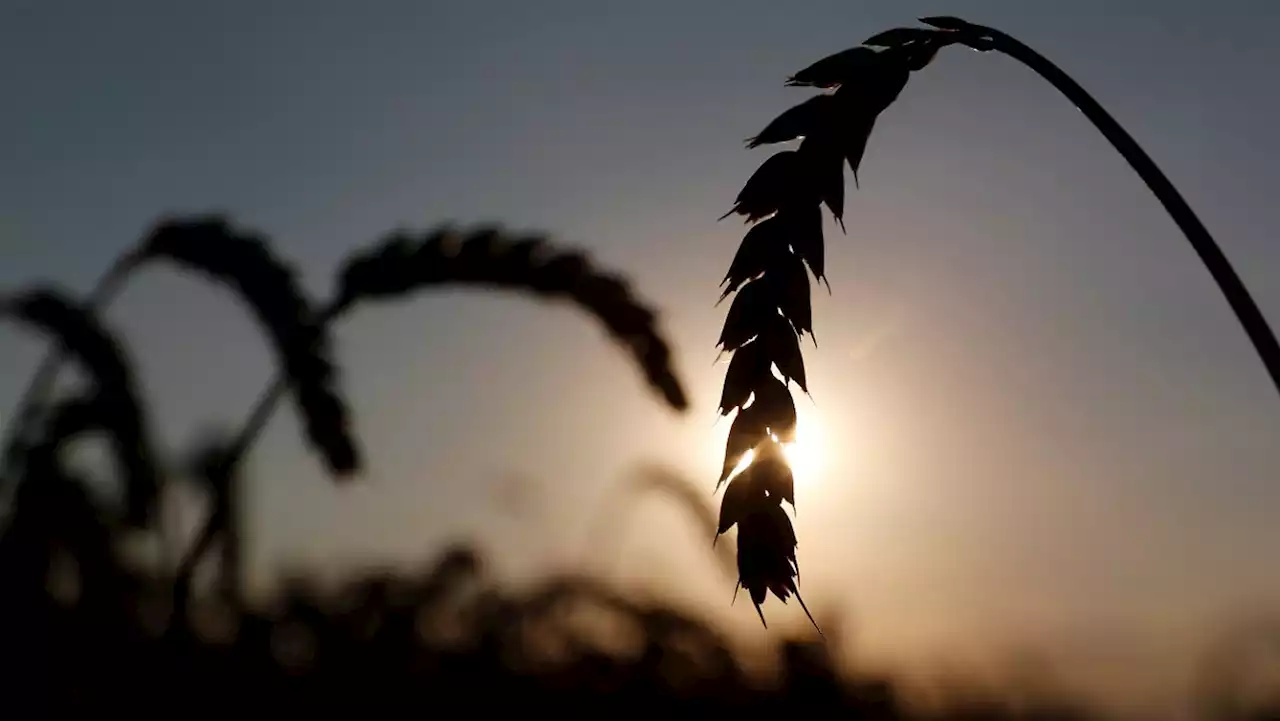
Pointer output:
x,y
804,455
807,455
742,464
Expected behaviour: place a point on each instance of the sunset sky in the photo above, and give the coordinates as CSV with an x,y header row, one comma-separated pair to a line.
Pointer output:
x,y
1037,418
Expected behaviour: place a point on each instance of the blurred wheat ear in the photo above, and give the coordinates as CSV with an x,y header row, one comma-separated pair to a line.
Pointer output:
x,y
54,512
244,263
402,264
114,404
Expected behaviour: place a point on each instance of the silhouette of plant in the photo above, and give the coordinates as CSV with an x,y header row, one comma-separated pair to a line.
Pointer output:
x,y
570,645
114,406
395,267
783,199
35,395
244,262
400,265
428,641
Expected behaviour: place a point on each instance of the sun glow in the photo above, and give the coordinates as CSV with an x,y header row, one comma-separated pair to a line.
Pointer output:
x,y
803,455
743,463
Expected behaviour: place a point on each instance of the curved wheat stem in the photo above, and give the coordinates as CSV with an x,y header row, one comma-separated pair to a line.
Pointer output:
x,y
1255,324
785,196
22,422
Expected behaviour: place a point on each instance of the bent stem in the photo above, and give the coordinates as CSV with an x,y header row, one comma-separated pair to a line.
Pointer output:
x,y
23,420
22,425
263,408
983,38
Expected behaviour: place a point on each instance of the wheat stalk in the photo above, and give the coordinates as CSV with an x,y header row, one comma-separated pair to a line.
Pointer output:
x,y
784,198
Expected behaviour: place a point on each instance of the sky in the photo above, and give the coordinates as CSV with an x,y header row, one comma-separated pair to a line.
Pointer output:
x,y
1035,419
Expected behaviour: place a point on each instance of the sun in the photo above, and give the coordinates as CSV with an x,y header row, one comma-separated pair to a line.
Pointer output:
x,y
808,455
804,455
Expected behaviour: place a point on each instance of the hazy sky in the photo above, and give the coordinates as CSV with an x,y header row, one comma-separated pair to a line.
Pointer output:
x,y
1036,411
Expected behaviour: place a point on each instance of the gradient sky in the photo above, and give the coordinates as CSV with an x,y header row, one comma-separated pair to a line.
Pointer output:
x,y
1039,418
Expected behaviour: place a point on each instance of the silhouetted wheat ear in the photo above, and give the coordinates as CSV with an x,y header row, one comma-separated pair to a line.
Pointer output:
x,y
402,264
772,310
113,406
245,263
